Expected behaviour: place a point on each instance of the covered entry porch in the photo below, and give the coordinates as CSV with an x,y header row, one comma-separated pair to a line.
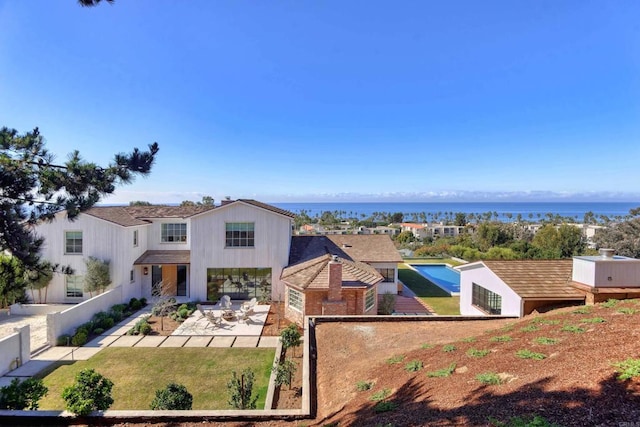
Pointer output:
x,y
164,273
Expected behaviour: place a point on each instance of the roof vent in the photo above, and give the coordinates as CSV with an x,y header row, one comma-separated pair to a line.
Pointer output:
x,y
334,258
346,245
607,253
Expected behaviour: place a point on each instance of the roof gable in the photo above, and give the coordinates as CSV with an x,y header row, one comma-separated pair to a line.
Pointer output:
x,y
314,273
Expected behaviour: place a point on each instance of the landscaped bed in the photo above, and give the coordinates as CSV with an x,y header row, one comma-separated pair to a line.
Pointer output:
x,y
138,372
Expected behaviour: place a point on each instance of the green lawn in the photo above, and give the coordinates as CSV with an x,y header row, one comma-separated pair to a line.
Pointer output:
x,y
441,302
138,372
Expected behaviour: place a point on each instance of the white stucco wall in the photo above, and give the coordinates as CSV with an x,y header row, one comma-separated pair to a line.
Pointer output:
x,y
387,287
481,275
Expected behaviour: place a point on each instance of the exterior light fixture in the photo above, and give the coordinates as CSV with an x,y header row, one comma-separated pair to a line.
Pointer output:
x,y
145,271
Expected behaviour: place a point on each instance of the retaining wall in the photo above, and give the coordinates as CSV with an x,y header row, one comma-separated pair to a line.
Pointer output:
x,y
66,322
35,309
15,350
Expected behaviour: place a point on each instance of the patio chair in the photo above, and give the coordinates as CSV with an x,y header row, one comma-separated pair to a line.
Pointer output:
x,y
213,319
225,302
201,310
247,306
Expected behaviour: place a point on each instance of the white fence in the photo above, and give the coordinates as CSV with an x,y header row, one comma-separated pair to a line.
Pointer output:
x,y
66,322
15,350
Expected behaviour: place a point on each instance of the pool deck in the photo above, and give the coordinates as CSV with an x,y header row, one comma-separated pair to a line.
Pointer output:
x,y
436,280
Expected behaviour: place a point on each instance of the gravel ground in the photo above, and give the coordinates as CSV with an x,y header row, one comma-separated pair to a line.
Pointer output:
x,y
38,325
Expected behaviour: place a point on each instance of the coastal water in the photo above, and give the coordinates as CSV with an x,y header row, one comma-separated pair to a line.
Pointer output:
x,y
531,211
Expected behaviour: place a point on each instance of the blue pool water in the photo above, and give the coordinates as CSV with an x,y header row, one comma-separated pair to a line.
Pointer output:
x,y
442,275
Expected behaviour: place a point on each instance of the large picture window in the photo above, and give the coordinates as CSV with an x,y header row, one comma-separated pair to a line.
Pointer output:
x,y
369,299
388,274
74,286
295,299
487,301
173,232
73,242
239,234
239,283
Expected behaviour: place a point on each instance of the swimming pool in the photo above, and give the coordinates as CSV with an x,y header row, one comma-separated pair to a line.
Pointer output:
x,y
442,275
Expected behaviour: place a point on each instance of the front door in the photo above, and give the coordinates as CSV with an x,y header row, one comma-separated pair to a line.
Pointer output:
x,y
169,280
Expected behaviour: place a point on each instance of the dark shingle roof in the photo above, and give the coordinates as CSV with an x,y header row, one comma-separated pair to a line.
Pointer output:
x,y
128,216
354,247
314,274
537,278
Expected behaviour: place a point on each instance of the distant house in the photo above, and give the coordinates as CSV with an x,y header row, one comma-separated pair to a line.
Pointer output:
x,y
338,274
517,288
419,231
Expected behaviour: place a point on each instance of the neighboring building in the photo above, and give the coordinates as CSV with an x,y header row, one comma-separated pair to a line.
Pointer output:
x,y
339,274
380,229
419,231
516,288
197,252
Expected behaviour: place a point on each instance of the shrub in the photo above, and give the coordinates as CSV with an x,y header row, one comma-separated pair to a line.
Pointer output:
x,y
572,328
183,313
501,338
489,378
629,368
90,392
449,348
582,310
528,354
626,310
445,372
63,340
472,352
530,328
241,389
98,331
387,304
593,320
395,360
427,346
86,328
135,304
145,329
79,339
385,406
364,385
143,301
543,321
22,395
468,339
610,303
381,395
413,366
173,396
546,341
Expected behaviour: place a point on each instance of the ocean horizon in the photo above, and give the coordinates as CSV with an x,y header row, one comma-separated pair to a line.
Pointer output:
x,y
529,210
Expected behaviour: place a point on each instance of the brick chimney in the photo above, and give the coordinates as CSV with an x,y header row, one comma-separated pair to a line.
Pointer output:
x,y
335,279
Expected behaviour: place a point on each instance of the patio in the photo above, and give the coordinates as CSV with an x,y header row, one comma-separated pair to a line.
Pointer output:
x,y
198,325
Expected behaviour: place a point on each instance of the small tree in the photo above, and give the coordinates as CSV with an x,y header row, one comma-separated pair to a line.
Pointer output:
x,y
91,392
174,396
22,395
290,337
97,278
240,390
284,371
38,278
12,284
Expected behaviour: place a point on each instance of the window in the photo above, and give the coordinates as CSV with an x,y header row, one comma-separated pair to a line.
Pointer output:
x,y
240,234
295,299
73,242
239,283
486,300
135,238
389,274
74,286
174,232
369,299
131,277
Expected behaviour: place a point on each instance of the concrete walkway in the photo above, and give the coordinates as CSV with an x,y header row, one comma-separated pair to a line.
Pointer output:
x,y
115,337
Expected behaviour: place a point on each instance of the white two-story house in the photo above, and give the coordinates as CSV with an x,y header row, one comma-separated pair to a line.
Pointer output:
x,y
196,252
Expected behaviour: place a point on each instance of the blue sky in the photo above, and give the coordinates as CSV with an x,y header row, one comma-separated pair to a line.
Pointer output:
x,y
336,100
